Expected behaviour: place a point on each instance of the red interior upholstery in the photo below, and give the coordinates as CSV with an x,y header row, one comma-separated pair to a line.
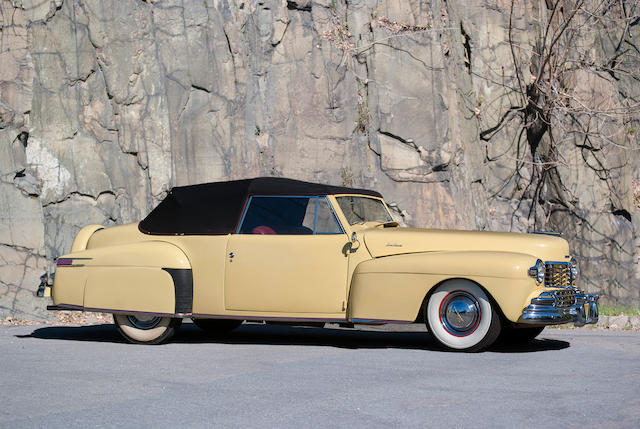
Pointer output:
x,y
263,229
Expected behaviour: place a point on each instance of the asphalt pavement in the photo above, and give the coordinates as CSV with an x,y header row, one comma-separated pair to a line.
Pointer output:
x,y
290,377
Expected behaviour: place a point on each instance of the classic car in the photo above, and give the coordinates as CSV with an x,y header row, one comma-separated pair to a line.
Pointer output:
x,y
275,249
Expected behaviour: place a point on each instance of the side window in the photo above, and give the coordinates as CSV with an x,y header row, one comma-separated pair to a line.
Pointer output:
x,y
326,222
278,215
289,216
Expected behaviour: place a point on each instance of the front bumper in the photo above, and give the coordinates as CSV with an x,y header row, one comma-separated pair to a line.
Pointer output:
x,y
562,306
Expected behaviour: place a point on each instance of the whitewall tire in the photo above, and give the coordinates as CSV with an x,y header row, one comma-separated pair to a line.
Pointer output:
x,y
146,329
460,316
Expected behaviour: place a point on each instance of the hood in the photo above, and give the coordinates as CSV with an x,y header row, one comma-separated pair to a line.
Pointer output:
x,y
396,241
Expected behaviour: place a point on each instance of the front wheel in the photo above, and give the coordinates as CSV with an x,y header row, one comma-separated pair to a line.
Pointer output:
x,y
146,329
461,317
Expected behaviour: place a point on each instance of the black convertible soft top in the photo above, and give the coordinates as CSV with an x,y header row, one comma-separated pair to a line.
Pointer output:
x,y
215,208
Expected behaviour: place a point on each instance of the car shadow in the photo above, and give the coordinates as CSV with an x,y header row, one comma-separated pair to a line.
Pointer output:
x,y
105,333
253,333
537,345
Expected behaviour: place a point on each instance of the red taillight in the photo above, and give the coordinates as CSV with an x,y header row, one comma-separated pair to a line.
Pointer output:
x,y
61,262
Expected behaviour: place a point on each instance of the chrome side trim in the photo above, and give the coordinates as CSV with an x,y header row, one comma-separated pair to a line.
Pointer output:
x,y
380,321
85,259
552,233
260,318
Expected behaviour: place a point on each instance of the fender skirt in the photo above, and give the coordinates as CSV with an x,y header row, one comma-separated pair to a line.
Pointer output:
x,y
183,284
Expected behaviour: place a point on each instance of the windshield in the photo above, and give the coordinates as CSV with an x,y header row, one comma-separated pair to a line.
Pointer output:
x,y
363,209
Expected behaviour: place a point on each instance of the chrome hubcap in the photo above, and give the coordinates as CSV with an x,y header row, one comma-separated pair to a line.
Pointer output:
x,y
143,321
460,313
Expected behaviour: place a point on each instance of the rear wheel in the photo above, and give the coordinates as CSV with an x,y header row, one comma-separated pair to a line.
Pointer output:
x,y
461,317
217,326
146,329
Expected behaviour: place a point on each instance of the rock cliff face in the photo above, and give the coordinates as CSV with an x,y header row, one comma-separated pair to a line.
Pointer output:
x,y
107,104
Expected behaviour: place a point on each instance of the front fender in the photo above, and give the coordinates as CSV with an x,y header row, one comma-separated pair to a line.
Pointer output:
x,y
394,287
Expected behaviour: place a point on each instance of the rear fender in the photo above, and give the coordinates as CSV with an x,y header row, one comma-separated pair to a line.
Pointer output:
x,y
151,276
82,237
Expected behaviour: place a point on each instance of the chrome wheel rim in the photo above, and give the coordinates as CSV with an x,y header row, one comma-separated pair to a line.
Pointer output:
x,y
143,321
460,313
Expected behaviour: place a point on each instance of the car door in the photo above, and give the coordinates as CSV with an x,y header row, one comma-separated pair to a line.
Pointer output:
x,y
287,256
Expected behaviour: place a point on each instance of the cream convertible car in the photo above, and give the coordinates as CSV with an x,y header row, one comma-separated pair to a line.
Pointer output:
x,y
272,249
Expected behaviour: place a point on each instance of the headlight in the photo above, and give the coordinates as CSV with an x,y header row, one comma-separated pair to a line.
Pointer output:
x,y
537,271
574,269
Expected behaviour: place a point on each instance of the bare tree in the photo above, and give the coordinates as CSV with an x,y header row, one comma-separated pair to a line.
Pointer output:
x,y
580,89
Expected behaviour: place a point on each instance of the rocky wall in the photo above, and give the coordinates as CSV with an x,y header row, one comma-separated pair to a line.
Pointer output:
x,y
107,104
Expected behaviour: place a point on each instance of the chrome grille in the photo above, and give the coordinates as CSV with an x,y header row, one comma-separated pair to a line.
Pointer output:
x,y
558,274
565,298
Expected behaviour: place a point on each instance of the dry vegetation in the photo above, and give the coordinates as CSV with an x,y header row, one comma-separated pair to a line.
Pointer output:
x,y
64,318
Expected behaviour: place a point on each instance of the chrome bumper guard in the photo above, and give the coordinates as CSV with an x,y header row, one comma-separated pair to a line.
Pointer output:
x,y
564,306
